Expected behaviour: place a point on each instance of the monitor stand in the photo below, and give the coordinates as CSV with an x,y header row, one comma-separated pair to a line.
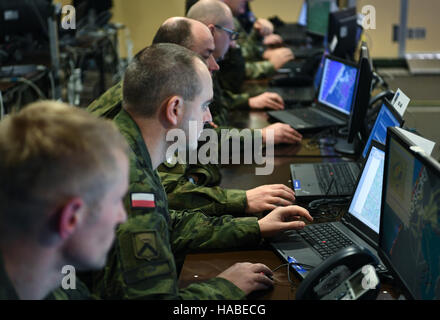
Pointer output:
x,y
345,147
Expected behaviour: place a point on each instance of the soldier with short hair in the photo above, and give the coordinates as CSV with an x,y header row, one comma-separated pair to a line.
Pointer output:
x,y
63,176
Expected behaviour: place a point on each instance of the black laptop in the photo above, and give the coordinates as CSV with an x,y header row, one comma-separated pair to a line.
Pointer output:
x,y
317,180
307,248
334,99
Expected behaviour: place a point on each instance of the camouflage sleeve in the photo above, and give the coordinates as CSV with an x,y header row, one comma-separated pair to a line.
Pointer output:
x,y
109,103
236,100
142,266
259,69
185,193
251,45
193,231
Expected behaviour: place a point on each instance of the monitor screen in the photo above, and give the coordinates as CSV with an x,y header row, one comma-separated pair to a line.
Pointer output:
x,y
302,20
410,225
385,118
317,16
365,204
318,74
337,85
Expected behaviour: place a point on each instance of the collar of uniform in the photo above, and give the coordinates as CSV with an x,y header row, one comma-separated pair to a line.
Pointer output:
x,y
7,290
133,135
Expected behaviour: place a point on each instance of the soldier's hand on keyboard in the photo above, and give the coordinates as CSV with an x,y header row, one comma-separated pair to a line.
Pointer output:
x,y
272,39
268,197
283,218
270,100
282,133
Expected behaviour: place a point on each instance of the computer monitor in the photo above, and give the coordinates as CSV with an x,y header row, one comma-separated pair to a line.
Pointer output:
x,y
409,236
302,20
343,25
361,98
317,16
387,117
365,204
337,84
24,17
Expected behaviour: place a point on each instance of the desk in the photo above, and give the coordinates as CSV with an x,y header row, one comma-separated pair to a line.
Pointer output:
x,y
202,266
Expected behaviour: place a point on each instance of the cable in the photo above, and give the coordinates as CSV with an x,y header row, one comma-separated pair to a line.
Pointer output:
x,y
304,265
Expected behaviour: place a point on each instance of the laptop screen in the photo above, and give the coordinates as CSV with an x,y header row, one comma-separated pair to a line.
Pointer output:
x,y
410,227
365,205
317,16
337,85
385,119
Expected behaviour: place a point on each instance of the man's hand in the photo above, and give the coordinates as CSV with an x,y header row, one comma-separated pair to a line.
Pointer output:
x,y
268,197
272,40
269,100
283,218
264,27
283,133
278,57
248,277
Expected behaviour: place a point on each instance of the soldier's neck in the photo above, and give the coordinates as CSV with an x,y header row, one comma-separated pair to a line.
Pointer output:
x,y
153,134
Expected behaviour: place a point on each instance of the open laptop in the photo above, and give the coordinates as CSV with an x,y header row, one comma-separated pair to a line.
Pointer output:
x,y
302,95
409,237
359,226
317,180
334,99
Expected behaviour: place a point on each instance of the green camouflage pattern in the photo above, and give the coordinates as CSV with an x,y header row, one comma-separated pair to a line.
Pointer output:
x,y
181,191
232,70
109,103
151,245
252,51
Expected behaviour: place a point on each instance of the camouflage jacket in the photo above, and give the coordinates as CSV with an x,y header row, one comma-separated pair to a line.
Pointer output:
x,y
142,262
252,51
183,193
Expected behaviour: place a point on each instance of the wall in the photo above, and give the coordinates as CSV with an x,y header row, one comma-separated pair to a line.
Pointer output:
x,y
143,18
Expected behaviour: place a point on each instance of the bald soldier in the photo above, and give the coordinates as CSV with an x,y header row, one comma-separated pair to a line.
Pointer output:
x,y
142,264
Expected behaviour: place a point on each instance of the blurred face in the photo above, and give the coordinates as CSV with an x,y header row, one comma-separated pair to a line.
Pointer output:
x,y
89,246
204,45
197,112
222,40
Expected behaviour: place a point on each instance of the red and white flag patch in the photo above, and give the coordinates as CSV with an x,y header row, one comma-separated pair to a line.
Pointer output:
x,y
142,200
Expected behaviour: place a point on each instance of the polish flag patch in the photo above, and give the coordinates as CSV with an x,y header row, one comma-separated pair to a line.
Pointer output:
x,y
142,200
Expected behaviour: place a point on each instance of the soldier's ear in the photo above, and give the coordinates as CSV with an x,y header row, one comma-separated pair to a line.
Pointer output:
x,y
211,28
173,110
69,216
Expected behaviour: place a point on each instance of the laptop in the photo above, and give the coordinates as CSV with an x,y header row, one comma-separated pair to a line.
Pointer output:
x,y
409,237
334,99
303,95
307,248
317,180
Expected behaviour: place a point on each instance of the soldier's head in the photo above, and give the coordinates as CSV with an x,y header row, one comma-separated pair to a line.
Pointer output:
x,y
63,175
190,34
172,85
218,18
237,6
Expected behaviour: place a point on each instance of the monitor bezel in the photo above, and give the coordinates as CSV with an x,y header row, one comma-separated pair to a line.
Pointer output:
x,y
426,160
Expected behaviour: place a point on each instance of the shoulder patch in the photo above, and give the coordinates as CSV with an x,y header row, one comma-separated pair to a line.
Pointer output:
x,y
142,200
145,245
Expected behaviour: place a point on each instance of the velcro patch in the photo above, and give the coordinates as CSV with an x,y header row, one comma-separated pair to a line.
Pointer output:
x,y
145,245
143,200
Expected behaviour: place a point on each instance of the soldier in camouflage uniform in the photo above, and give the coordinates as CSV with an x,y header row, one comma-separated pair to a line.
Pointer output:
x,y
196,186
65,173
151,245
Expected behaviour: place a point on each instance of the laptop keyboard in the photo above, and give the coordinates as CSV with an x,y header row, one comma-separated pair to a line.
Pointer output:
x,y
341,174
309,116
325,238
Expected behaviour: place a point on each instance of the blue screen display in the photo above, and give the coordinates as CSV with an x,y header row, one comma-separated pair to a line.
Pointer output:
x,y
337,85
384,120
